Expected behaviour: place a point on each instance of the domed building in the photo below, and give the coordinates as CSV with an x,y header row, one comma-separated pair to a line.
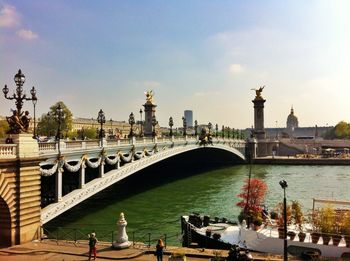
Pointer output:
x,y
292,122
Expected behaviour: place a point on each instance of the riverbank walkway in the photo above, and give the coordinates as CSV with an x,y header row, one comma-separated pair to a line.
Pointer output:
x,y
53,250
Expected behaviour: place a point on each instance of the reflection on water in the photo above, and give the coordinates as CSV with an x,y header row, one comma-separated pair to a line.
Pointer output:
x,y
154,200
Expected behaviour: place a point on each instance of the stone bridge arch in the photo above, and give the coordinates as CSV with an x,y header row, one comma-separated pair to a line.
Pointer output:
x,y
105,180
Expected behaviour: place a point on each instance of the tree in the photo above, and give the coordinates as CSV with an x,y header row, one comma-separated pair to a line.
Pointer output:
x,y
4,127
48,125
340,131
253,195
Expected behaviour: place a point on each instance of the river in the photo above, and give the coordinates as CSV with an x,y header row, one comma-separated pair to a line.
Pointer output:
x,y
153,201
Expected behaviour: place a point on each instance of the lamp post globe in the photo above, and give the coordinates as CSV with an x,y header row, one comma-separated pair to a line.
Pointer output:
x,y
17,122
171,124
101,119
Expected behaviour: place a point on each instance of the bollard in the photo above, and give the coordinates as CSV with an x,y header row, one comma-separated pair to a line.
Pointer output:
x,y
149,240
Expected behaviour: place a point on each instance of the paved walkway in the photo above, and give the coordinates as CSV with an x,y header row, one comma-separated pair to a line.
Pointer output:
x,y
69,251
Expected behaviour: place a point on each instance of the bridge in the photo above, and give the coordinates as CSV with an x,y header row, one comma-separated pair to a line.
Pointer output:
x,y
24,165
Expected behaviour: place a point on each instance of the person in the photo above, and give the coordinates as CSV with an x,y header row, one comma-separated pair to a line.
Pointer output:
x,y
92,245
159,250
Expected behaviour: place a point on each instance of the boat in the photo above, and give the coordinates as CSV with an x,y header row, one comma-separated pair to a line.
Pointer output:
x,y
220,233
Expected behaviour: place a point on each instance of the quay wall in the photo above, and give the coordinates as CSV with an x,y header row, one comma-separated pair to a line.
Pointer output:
x,y
301,161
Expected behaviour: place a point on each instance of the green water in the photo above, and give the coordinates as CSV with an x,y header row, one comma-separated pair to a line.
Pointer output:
x,y
154,204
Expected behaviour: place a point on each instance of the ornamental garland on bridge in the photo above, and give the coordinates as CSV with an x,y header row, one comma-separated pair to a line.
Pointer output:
x,y
85,161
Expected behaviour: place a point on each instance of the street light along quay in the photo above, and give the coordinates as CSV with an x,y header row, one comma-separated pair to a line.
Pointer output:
x,y
34,100
131,122
154,123
18,122
141,124
284,185
171,124
195,128
59,115
184,123
101,119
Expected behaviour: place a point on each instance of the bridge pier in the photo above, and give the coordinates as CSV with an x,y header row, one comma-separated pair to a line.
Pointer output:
x,y
20,193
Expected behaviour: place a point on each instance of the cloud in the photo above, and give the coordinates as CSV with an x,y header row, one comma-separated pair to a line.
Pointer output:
x,y
235,69
9,16
151,84
206,94
27,34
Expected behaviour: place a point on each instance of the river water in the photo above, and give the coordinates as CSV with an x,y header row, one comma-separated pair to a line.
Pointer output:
x,y
153,202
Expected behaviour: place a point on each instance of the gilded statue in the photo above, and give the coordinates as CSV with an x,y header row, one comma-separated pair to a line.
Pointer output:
x,y
258,92
149,96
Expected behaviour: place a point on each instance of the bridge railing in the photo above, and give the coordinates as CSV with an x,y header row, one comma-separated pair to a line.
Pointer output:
x,y
8,150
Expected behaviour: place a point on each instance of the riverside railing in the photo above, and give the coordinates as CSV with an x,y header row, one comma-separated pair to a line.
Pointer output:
x,y
77,235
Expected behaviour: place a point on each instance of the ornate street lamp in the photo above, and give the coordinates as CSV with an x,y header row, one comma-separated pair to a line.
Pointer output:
x,y
59,115
184,123
195,128
154,123
216,130
284,185
209,127
131,122
17,124
223,131
34,100
141,130
101,119
111,130
171,124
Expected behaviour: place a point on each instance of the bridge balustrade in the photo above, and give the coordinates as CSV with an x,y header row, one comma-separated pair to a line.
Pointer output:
x,y
8,150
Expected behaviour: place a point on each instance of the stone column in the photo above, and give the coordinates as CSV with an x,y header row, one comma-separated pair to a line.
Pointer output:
x,y
122,238
150,111
259,130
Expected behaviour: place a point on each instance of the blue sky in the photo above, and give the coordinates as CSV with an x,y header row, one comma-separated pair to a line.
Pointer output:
x,y
200,55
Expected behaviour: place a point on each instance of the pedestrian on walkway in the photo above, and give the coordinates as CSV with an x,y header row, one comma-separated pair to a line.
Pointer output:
x,y
92,245
159,250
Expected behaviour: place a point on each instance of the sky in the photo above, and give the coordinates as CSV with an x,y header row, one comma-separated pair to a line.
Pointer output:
x,y
199,55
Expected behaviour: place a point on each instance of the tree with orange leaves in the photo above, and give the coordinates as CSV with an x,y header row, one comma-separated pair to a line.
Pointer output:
x,y
253,195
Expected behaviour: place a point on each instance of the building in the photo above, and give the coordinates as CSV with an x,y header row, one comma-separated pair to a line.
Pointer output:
x,y
188,114
292,122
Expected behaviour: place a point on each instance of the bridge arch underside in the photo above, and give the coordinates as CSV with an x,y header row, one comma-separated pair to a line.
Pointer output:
x,y
5,224
184,163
